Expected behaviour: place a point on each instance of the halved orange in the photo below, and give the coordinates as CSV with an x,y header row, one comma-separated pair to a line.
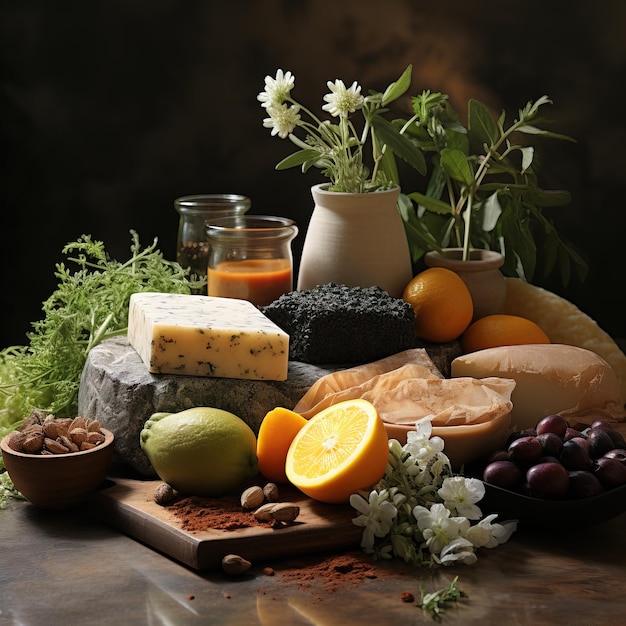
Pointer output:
x,y
276,432
342,449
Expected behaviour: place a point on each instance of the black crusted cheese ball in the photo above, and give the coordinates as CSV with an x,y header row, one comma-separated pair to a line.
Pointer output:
x,y
337,324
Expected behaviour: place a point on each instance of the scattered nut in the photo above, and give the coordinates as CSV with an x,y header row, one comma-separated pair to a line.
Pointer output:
x,y
264,512
165,494
285,512
252,497
234,564
270,491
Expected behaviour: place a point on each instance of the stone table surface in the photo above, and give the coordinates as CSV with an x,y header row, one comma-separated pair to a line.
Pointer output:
x,y
70,568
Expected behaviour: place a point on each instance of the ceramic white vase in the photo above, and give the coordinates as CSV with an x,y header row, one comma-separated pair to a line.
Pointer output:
x,y
481,273
356,239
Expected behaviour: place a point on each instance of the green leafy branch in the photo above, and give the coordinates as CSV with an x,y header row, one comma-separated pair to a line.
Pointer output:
x,y
483,190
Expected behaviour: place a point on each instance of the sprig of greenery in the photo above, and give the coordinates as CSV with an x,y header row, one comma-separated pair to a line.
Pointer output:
x,y
483,189
88,306
437,601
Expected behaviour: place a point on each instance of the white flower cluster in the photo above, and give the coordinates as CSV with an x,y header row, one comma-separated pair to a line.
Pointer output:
x,y
338,148
422,512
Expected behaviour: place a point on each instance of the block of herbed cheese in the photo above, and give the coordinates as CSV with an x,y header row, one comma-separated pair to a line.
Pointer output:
x,y
206,336
550,378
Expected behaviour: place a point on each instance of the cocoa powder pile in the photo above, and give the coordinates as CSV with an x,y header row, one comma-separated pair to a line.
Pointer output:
x,y
333,570
196,513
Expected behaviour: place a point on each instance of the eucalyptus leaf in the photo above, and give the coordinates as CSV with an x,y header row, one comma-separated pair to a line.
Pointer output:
x,y
481,122
401,146
432,204
491,211
398,88
454,164
527,157
298,158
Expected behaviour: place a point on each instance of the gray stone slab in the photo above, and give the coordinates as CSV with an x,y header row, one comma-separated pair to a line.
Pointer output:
x,y
117,389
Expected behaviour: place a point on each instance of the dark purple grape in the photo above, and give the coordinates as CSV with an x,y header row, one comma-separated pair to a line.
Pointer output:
x,y
547,480
498,455
581,441
610,472
575,455
547,459
616,453
527,432
570,433
600,442
525,450
551,444
583,484
556,424
616,436
503,474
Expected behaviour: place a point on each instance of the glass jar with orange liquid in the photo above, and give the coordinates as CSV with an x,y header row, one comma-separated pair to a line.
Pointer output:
x,y
250,257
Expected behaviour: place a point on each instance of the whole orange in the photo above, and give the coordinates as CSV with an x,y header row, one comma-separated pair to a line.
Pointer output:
x,y
276,432
500,329
442,304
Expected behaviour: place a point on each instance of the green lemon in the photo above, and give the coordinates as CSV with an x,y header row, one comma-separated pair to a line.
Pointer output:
x,y
201,451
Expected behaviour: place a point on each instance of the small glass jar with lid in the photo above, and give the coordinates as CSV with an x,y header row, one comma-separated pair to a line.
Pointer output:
x,y
250,257
192,248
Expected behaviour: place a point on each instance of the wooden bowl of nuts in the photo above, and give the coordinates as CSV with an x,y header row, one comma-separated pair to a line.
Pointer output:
x,y
56,463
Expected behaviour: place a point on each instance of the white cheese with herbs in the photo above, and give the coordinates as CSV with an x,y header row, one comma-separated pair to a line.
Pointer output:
x,y
206,336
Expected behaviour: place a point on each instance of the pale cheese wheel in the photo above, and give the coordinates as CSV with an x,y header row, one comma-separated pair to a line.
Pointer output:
x,y
550,378
563,322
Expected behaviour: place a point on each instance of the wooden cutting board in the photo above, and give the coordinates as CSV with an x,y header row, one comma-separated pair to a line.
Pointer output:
x,y
128,505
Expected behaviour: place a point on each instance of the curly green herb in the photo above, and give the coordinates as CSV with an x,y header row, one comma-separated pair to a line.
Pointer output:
x,y
88,306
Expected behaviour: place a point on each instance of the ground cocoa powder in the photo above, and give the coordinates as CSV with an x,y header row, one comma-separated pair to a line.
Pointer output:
x,y
197,513
332,570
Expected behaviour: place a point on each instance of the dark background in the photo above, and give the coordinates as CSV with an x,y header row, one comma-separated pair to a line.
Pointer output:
x,y
111,110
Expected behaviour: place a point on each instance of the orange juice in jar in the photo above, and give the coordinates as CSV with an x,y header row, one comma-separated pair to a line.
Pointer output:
x,y
250,257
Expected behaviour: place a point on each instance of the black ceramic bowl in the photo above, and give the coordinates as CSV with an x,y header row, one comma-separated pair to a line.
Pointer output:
x,y
553,514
